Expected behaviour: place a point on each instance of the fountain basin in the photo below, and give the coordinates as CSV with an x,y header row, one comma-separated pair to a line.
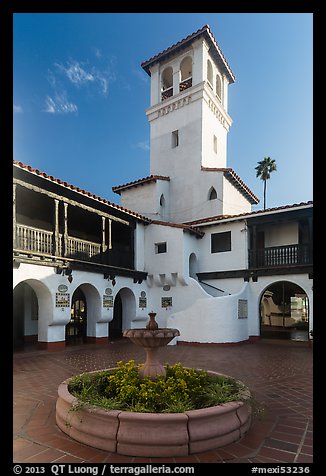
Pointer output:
x,y
151,338
153,434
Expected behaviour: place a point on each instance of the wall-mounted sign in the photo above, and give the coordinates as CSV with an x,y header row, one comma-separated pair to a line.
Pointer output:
x,y
142,302
107,301
143,294
242,309
166,287
62,288
62,300
166,302
108,291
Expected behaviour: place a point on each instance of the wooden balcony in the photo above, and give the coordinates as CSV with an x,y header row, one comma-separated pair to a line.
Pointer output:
x,y
278,256
41,241
82,249
34,240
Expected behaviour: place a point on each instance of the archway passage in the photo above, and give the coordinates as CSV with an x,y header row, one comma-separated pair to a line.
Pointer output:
x,y
115,331
282,305
76,329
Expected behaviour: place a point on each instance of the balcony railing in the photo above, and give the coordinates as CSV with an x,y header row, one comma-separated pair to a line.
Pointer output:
x,y
280,256
82,249
167,93
34,239
185,84
42,241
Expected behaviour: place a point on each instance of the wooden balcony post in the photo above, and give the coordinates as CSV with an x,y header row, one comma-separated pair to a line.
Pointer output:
x,y
104,246
254,247
56,227
110,234
65,234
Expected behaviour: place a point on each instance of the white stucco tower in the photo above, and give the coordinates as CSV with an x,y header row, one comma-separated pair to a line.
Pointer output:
x,y
189,124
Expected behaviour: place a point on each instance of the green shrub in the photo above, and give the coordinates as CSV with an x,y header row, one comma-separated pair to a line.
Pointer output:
x,y
180,390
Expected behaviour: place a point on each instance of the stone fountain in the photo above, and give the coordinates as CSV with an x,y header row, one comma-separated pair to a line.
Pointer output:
x,y
151,338
153,434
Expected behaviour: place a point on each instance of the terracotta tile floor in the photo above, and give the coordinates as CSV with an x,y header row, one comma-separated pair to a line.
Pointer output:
x,y
279,374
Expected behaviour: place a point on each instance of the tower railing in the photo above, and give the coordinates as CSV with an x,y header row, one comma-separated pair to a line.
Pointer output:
x,y
167,93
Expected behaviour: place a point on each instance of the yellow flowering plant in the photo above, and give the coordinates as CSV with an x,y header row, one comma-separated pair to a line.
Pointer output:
x,y
180,390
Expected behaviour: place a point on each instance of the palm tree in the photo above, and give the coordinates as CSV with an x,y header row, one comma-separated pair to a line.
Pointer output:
x,y
263,171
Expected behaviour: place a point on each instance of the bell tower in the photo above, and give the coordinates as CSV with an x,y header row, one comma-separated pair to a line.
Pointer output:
x,y
188,120
189,124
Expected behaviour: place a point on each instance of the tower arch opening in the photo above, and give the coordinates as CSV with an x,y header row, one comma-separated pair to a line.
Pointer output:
x,y
185,73
218,87
167,83
209,73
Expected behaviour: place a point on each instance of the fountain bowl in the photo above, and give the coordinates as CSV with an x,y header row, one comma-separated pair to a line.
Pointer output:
x,y
151,339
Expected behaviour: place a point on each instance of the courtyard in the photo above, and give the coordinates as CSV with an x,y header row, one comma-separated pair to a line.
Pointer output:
x,y
279,373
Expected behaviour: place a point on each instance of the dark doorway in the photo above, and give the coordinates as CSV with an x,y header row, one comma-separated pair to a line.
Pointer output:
x,y
76,329
25,316
115,330
18,317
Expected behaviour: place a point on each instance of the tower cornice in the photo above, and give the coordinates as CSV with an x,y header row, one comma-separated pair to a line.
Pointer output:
x,y
197,92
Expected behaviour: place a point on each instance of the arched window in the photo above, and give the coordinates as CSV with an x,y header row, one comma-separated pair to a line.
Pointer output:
x,y
162,206
185,73
167,83
210,73
162,200
219,87
212,194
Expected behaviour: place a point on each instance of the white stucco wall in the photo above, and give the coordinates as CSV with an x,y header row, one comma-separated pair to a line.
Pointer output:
x,y
213,319
196,123
226,260
141,199
233,201
164,263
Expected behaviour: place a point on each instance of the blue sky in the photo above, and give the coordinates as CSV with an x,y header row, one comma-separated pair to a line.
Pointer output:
x,y
80,95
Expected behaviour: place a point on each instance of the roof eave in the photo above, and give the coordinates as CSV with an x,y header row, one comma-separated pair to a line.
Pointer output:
x,y
206,32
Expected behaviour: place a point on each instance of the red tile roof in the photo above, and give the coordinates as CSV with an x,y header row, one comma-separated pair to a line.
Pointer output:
x,y
235,180
204,31
142,181
79,190
185,227
213,219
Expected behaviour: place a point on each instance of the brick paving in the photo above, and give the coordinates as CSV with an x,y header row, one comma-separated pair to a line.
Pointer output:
x,y
279,373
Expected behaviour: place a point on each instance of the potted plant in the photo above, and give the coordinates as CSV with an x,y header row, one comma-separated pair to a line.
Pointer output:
x,y
299,331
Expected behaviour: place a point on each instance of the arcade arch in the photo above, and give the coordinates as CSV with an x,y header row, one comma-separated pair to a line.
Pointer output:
x,y
32,306
282,303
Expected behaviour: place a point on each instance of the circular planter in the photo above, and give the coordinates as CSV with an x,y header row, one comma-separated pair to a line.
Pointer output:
x,y
153,434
